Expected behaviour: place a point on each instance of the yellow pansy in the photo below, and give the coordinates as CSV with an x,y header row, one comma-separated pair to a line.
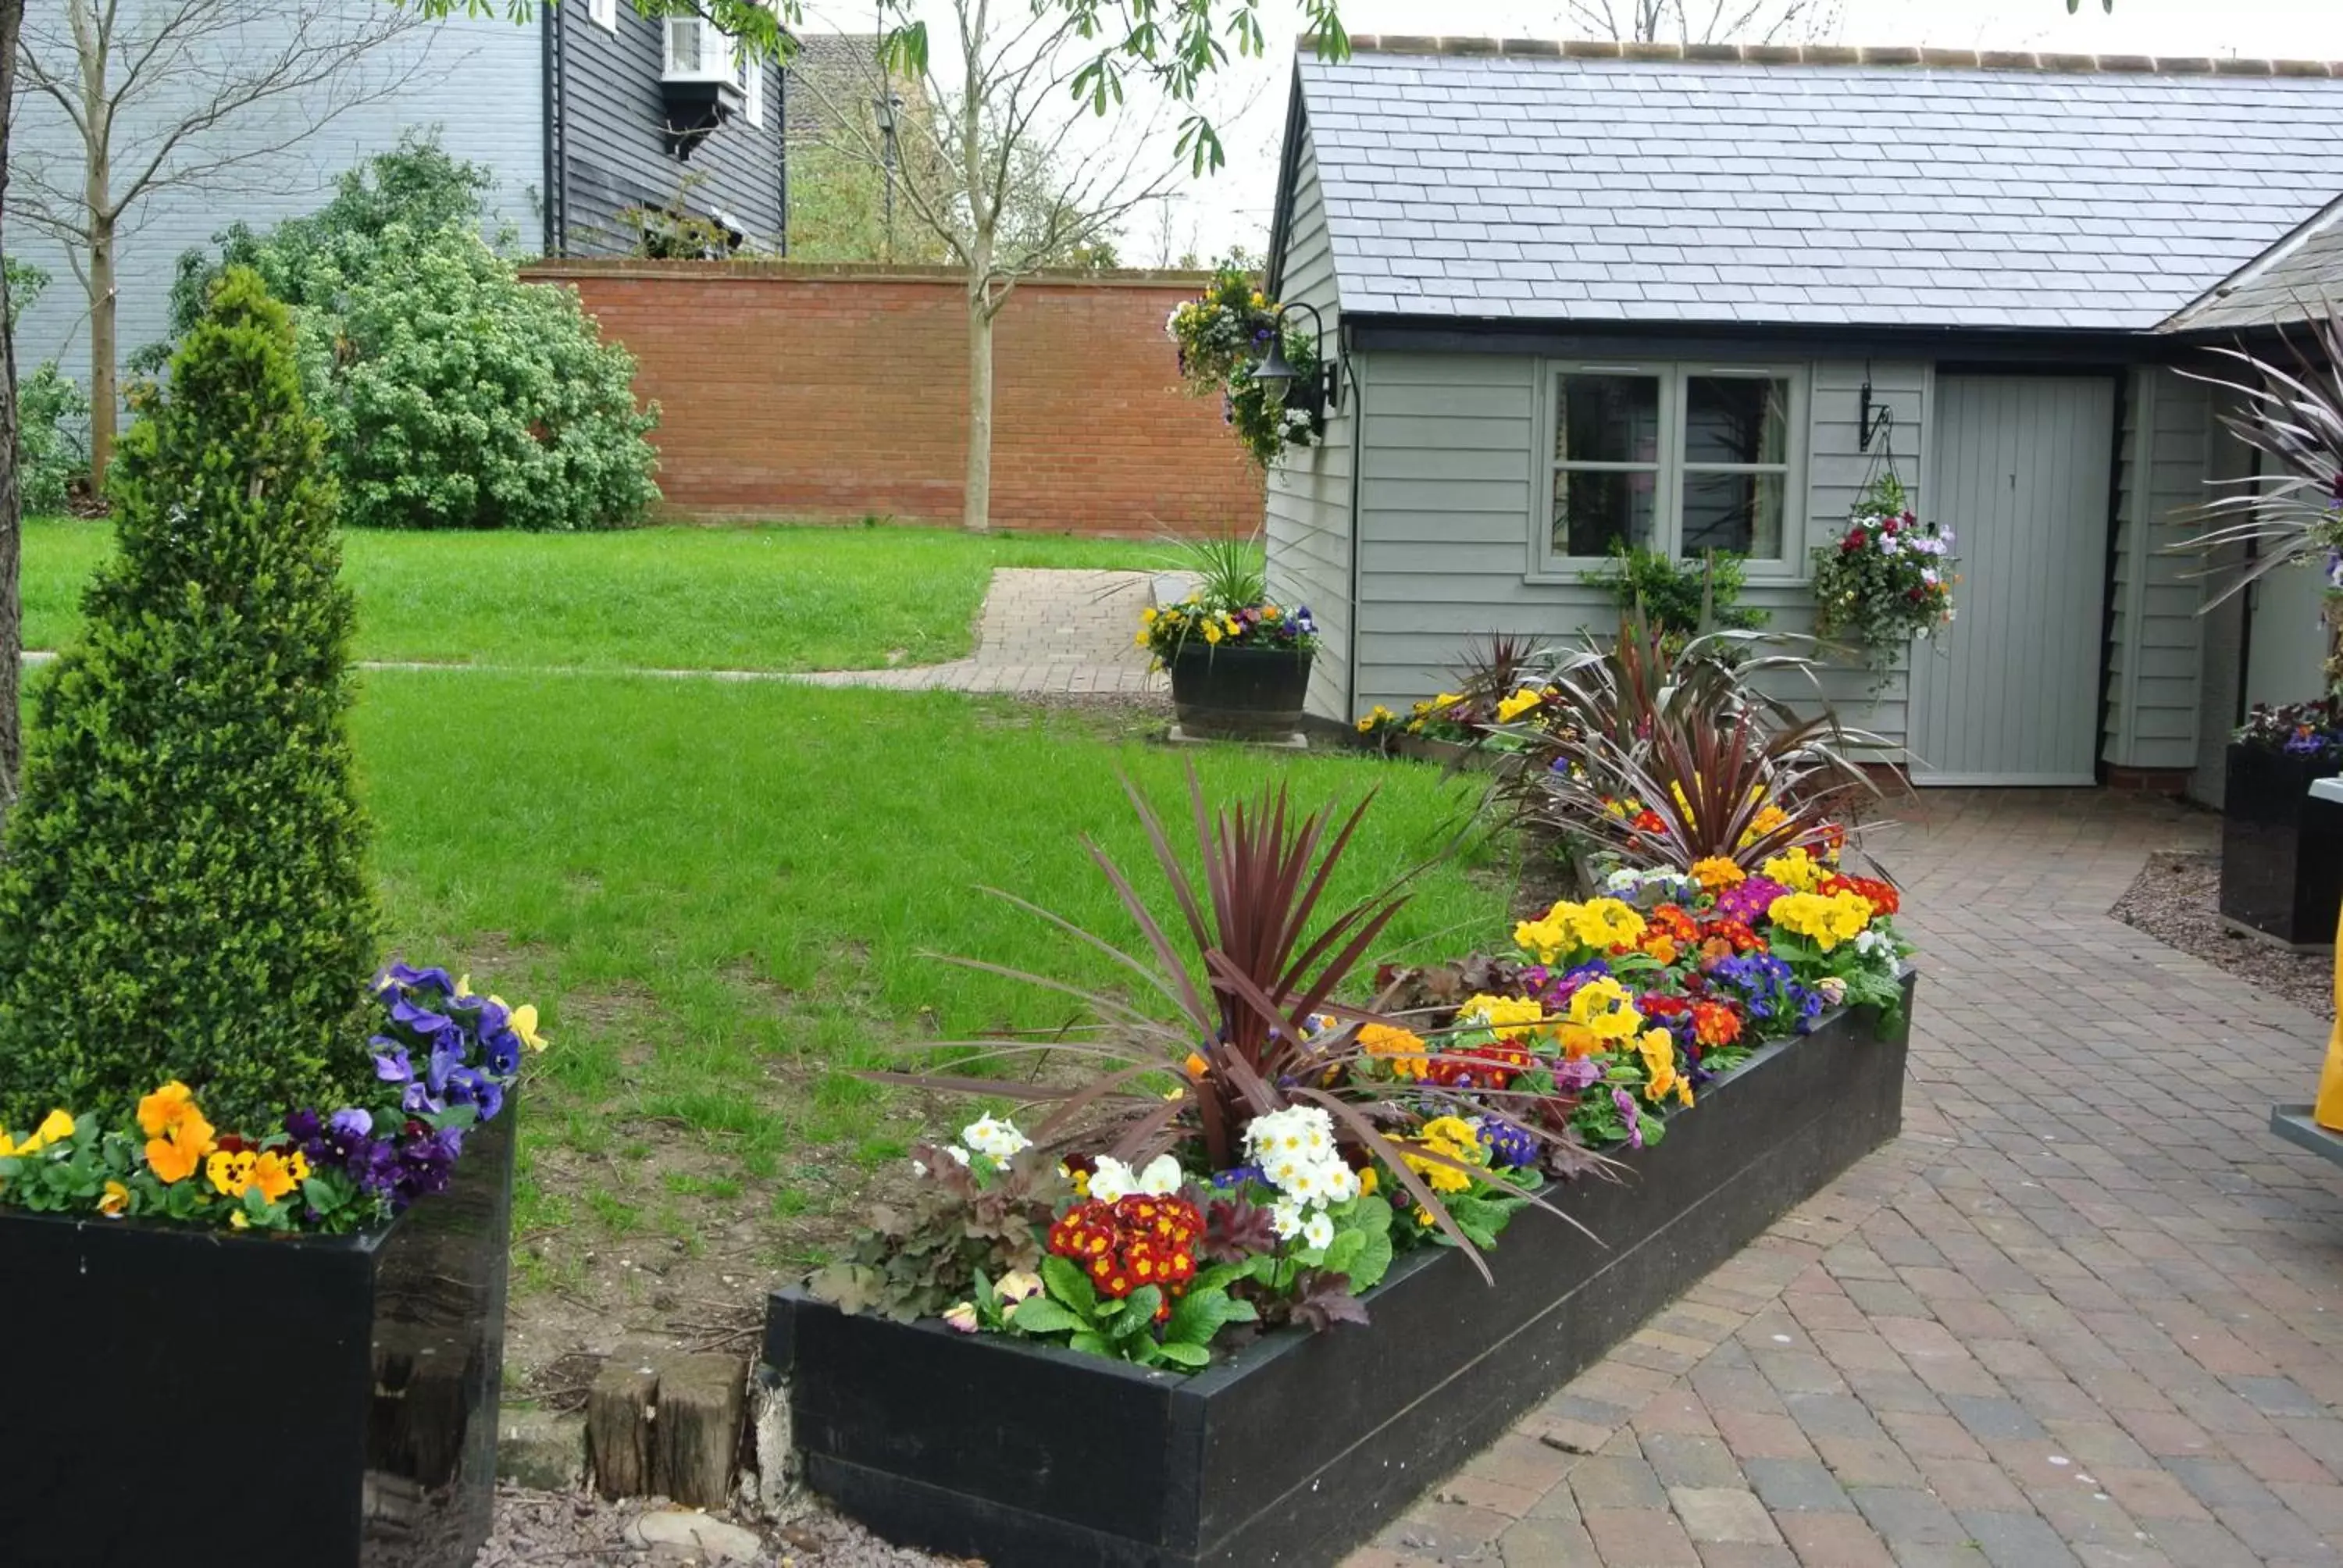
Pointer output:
x,y
1825,921
1519,703
1603,1007
1658,1049
523,1022
114,1200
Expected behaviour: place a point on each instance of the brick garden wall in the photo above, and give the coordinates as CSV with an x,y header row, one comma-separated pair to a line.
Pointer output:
x,y
839,392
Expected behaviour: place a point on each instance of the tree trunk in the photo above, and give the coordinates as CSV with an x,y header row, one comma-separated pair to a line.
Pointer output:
x,y
103,394
98,188
12,746
976,493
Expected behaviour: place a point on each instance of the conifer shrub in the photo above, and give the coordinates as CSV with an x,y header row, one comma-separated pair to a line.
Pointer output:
x,y
183,889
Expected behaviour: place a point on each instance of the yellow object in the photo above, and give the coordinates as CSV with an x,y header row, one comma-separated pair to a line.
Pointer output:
x,y
2329,1111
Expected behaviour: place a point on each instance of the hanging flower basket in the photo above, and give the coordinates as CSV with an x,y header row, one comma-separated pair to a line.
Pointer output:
x,y
1887,580
1222,335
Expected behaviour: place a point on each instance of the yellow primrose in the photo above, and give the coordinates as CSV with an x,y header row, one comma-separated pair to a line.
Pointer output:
x,y
1658,1049
1825,922
1211,632
1147,617
1506,1017
114,1200
1795,869
1519,703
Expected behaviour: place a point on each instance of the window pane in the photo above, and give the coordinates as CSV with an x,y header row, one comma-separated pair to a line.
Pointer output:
x,y
1738,512
1606,419
1736,419
1595,509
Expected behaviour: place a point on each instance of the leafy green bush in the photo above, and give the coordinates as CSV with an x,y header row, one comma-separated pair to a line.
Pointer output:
x,y
52,412
454,396
183,892
1681,598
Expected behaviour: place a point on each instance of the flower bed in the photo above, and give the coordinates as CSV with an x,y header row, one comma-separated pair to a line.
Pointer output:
x,y
1299,1446
1267,1164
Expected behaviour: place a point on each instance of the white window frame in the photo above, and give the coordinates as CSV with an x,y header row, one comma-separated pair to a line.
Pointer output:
x,y
716,62
603,14
752,87
1675,377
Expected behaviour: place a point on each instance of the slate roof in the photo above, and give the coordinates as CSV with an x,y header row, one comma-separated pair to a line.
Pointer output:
x,y
846,66
1808,187
2299,279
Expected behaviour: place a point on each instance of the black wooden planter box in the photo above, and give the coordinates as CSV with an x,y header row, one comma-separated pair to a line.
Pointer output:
x,y
203,1397
2281,851
1302,1446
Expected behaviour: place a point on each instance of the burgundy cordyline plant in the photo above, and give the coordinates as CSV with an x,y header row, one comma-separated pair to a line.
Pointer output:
x,y
1241,1042
1696,742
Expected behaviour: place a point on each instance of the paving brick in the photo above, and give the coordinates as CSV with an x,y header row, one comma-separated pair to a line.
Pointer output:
x,y
1834,1540
1606,1481
2015,1539
1681,1459
1640,1538
1722,1513
1907,1515
1797,1486
1541,1543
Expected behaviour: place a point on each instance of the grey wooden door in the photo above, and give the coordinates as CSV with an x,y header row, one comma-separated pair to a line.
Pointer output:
x,y
2010,693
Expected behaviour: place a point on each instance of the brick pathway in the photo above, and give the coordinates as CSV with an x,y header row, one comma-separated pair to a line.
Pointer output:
x,y
1044,632
2085,1311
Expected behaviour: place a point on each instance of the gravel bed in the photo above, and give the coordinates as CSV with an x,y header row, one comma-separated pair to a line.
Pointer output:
x,y
2177,900
576,1530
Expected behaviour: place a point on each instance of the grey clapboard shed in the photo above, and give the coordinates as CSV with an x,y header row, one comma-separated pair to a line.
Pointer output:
x,y
1585,292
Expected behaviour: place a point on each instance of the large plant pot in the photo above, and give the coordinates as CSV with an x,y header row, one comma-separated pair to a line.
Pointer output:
x,y
213,1398
1239,693
2281,851
1300,1446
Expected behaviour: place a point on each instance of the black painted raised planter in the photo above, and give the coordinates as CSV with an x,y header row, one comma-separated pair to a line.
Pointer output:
x,y
2281,850
204,1397
1300,1446
1227,693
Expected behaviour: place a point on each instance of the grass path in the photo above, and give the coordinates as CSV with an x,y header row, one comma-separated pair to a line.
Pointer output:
x,y
774,598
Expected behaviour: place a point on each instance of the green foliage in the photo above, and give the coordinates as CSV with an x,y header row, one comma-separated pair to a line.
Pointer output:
x,y
184,893
52,437
1681,598
52,411
454,396
1888,580
1122,1327
1230,571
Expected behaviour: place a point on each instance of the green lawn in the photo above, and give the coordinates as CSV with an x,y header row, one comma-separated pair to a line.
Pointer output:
x,y
726,896
772,598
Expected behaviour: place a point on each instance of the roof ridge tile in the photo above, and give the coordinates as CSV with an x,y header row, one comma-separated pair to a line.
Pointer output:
x,y
1903,56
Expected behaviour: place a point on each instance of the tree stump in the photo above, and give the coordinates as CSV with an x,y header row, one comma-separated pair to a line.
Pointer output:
x,y
620,1409
664,1423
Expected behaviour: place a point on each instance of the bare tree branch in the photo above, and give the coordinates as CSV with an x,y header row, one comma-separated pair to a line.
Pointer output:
x,y
185,94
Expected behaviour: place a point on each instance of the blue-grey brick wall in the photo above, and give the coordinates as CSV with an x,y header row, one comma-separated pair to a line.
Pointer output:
x,y
478,80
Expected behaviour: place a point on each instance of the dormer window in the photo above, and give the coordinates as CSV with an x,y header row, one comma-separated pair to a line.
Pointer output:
x,y
700,82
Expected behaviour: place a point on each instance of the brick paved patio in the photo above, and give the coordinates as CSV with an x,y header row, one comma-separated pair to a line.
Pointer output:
x,y
2085,1311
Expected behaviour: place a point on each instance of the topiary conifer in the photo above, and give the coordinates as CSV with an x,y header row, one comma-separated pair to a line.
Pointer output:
x,y
182,887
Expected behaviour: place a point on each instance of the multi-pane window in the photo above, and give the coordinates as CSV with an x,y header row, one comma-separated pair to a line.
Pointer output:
x,y
1672,457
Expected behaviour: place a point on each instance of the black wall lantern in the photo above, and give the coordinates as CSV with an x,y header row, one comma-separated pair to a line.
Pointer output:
x,y
1321,394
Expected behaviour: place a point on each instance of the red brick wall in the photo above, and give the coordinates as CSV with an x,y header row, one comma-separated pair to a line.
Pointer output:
x,y
840,393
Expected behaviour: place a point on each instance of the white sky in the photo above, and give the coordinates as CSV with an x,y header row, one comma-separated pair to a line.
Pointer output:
x,y
1232,206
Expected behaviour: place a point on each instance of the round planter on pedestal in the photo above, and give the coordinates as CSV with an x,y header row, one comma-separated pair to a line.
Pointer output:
x,y
1226,693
